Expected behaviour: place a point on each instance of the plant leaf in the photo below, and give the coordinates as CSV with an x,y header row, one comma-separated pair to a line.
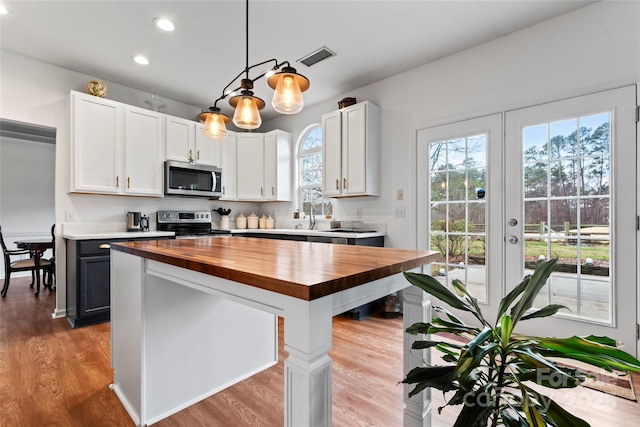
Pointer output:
x,y
418,328
536,282
440,377
419,345
557,414
473,301
595,353
549,310
435,288
530,410
509,420
506,327
511,296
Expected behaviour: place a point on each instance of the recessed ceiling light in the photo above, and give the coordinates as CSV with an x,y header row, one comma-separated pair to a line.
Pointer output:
x,y
164,24
141,60
3,10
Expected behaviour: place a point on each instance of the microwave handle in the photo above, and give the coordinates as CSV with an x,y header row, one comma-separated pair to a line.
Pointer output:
x,y
215,180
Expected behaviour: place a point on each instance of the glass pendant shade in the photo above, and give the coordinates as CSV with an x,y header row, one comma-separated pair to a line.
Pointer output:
x,y
214,126
287,98
247,115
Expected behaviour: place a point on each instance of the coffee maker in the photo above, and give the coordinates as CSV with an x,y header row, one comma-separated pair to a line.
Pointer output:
x,y
137,222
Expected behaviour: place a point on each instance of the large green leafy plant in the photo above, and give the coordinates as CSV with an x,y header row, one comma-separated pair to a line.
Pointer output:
x,y
492,369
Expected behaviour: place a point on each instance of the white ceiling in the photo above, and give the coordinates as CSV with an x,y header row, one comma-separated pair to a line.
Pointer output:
x,y
373,39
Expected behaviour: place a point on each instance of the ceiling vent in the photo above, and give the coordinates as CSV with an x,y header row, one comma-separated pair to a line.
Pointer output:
x,y
317,56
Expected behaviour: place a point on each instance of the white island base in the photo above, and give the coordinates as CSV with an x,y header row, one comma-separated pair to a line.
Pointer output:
x,y
179,336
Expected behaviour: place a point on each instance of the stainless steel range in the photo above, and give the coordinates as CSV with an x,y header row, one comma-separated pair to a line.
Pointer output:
x,y
188,224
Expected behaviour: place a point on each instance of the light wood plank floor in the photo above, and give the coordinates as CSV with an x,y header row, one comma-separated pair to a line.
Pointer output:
x,y
52,375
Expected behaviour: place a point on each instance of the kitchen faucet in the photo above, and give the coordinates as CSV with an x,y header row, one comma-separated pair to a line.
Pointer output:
x,y
312,217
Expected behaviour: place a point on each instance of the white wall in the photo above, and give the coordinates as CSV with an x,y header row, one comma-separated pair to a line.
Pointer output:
x,y
592,49
546,62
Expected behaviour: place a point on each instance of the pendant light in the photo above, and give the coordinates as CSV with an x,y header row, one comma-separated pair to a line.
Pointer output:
x,y
287,98
288,85
214,123
247,115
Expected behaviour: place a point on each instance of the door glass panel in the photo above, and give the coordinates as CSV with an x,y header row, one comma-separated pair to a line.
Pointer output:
x,y
566,209
458,211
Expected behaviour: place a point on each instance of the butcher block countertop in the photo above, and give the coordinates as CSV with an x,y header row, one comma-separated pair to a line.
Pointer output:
x,y
303,270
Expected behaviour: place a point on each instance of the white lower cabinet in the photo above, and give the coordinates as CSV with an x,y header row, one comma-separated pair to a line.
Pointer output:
x,y
115,148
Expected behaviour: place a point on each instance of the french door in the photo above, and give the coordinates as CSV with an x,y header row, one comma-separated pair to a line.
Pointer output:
x,y
460,202
560,184
570,183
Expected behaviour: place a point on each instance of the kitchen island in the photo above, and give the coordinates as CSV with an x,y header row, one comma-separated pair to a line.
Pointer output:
x,y
191,317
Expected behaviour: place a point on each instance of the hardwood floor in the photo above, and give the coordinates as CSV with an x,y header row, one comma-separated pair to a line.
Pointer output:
x,y
52,375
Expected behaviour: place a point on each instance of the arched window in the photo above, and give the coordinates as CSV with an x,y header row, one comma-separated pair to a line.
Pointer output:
x,y
310,172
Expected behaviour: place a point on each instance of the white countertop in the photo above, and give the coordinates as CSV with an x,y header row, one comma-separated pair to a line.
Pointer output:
x,y
116,235
306,232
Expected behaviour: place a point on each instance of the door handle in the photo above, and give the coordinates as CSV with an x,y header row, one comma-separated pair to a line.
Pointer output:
x,y
344,183
273,191
117,182
128,182
337,184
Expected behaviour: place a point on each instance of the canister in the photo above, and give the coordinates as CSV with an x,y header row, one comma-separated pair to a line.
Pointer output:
x,y
241,221
252,221
271,223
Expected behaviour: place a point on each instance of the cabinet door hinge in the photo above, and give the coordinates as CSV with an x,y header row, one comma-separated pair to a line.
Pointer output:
x,y
637,113
637,331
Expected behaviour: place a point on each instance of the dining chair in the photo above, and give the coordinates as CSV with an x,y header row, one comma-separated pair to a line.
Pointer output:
x,y
49,272
18,265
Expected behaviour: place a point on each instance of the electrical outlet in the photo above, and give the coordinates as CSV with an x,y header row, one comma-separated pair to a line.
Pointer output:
x,y
399,194
68,216
399,212
358,213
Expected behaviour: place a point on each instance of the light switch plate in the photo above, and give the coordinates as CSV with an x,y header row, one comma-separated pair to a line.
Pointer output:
x,y
399,212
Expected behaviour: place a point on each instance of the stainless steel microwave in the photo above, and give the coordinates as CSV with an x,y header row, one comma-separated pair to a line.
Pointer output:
x,y
192,180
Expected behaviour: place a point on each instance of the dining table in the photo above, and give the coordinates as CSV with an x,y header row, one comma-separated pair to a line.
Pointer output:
x,y
37,248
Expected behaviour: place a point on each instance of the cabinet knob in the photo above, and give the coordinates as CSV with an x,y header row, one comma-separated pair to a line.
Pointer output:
x,y
117,182
337,184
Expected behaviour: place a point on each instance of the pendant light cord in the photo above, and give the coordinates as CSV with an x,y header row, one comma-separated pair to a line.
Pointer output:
x,y
247,40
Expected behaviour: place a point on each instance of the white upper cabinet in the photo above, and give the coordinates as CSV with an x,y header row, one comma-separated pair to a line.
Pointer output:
x,y
115,149
351,151
250,166
97,133
264,166
277,165
228,153
143,152
185,142
207,150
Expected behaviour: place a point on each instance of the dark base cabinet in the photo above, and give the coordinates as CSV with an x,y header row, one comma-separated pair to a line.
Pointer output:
x,y
88,280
